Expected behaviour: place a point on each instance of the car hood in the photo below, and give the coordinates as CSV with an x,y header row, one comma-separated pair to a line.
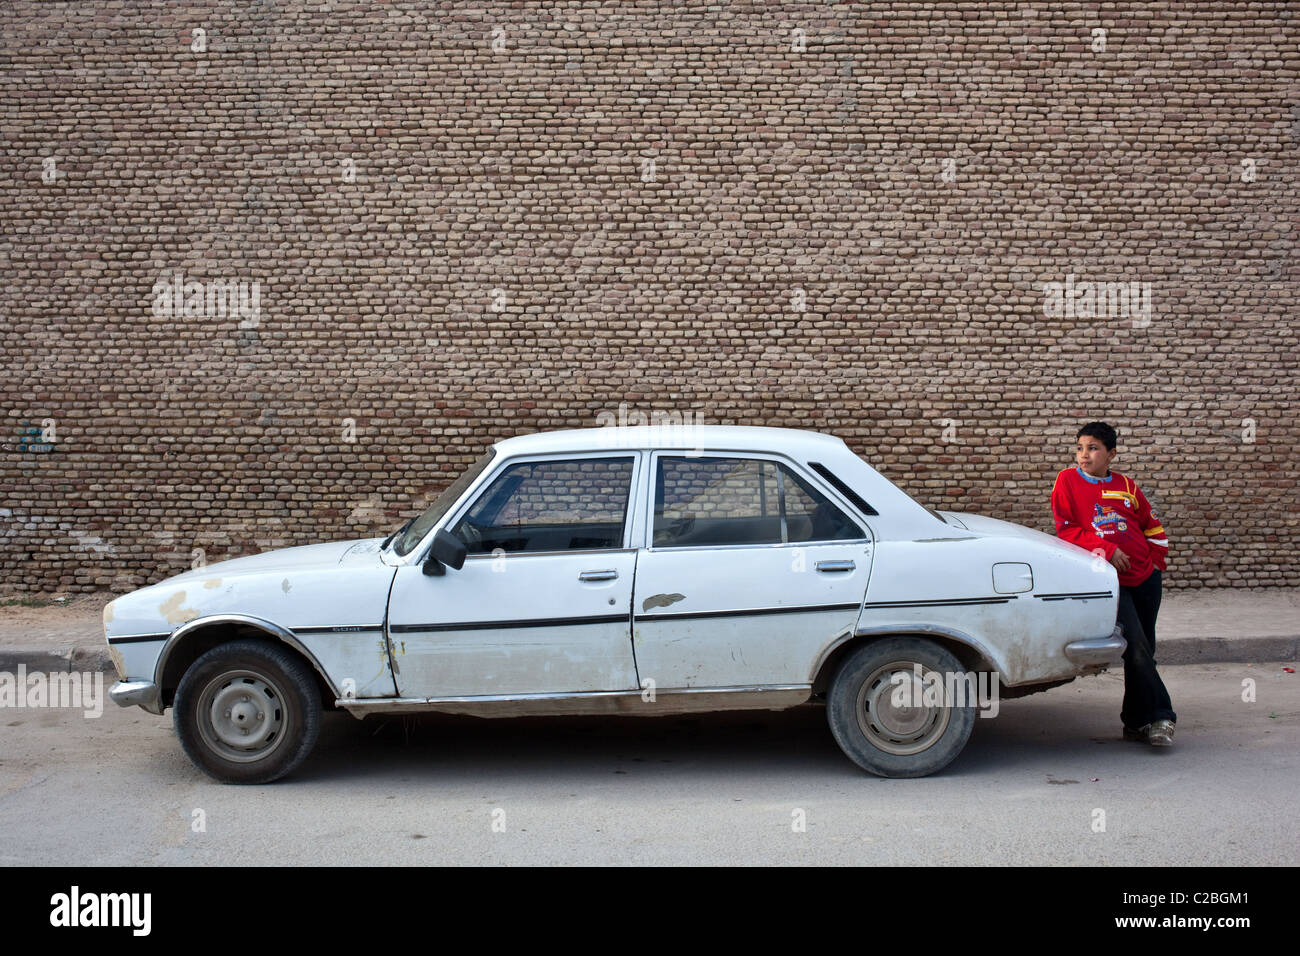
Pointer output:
x,y
303,558
342,582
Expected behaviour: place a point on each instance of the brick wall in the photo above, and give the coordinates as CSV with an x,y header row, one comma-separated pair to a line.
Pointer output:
x,y
454,223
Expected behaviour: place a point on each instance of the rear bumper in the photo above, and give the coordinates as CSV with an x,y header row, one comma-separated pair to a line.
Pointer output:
x,y
1099,651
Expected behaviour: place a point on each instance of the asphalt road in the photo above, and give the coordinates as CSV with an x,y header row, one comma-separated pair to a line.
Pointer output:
x,y
717,789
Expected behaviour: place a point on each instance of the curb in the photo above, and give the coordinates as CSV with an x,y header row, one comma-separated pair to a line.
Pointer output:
x,y
1185,650
1227,650
44,659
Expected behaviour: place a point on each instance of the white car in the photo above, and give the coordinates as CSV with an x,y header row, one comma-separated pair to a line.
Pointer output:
x,y
626,570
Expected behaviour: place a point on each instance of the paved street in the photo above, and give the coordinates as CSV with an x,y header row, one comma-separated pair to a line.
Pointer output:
x,y
721,789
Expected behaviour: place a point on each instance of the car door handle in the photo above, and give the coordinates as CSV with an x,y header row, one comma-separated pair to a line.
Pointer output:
x,y
607,575
835,565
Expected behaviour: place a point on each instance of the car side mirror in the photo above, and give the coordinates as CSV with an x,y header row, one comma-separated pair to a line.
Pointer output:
x,y
447,550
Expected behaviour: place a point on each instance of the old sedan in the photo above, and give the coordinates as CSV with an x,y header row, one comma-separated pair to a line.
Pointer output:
x,y
627,570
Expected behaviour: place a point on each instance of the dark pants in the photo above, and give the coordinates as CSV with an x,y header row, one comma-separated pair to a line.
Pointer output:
x,y
1145,697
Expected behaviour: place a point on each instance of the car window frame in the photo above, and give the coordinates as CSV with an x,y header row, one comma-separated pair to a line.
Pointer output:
x,y
650,478
631,509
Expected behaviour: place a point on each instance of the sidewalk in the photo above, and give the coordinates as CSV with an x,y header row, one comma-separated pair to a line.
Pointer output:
x,y
1209,626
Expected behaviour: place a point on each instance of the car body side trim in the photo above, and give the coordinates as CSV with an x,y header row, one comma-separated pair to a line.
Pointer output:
x,y
628,702
1076,596
137,638
695,615
944,602
498,625
611,619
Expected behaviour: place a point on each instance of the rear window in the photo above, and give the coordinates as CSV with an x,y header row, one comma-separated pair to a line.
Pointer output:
x,y
714,502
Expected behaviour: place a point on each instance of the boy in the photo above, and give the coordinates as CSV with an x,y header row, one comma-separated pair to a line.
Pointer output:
x,y
1106,512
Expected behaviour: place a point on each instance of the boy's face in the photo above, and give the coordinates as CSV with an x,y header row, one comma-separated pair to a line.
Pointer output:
x,y
1093,456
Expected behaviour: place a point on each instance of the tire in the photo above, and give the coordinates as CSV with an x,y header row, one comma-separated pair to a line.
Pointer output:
x,y
890,740
248,712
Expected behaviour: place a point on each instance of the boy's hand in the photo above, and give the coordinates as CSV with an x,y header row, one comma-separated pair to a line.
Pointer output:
x,y
1120,560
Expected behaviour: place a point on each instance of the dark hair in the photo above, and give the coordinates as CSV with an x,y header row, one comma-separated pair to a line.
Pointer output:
x,y
1101,431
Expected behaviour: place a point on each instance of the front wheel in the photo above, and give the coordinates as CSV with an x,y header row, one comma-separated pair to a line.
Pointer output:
x,y
892,711
247,712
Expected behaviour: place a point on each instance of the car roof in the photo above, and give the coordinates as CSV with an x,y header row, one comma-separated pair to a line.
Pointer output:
x,y
795,442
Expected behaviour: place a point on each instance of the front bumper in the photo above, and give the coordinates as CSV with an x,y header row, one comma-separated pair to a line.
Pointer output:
x,y
137,693
1099,651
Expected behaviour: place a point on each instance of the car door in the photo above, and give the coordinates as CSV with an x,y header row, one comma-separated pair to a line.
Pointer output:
x,y
542,604
751,568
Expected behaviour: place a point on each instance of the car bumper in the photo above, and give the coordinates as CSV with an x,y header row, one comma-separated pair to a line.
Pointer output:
x,y
137,693
1098,652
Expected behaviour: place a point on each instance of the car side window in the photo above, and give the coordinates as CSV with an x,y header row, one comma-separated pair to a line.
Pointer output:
x,y
721,501
715,501
560,505
810,515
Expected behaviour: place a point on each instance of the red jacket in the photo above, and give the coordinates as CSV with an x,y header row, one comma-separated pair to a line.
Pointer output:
x,y
1103,514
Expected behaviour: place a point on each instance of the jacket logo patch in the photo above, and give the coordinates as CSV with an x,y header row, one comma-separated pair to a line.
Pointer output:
x,y
1105,520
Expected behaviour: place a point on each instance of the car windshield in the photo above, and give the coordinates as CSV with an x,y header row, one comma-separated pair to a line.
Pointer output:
x,y
414,531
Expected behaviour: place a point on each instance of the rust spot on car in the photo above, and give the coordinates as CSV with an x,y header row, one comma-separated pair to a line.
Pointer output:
x,y
661,600
119,664
172,611
211,583
108,611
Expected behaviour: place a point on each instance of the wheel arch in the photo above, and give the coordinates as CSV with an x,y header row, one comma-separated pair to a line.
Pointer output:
x,y
195,638
972,654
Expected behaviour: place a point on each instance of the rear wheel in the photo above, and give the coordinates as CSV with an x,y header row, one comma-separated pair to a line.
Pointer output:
x,y
248,712
891,709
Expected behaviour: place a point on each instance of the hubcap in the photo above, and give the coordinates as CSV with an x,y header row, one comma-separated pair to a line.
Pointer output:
x,y
898,713
241,716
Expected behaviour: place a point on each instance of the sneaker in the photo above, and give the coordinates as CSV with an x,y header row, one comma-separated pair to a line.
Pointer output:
x,y
1139,735
1161,733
